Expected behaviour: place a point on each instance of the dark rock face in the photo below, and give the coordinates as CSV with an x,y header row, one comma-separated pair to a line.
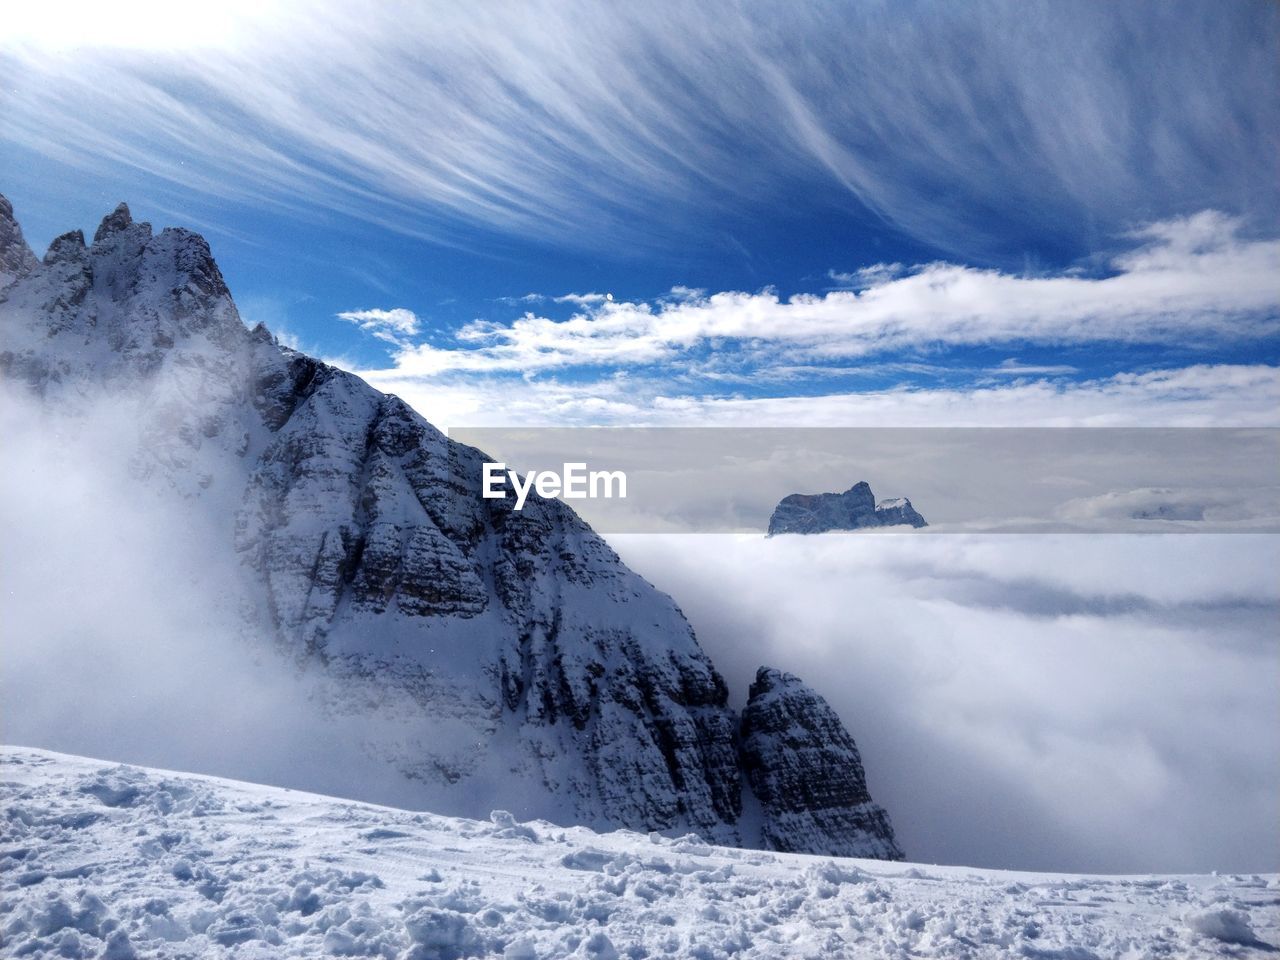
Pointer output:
x,y
897,512
16,258
805,770
855,509
511,649
115,221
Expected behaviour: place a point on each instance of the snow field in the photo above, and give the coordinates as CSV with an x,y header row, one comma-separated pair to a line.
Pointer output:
x,y
101,860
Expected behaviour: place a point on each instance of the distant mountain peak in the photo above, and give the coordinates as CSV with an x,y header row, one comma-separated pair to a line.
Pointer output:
x,y
855,509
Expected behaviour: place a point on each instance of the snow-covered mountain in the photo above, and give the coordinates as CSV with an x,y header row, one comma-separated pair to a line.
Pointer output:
x,y
855,509
511,658
101,860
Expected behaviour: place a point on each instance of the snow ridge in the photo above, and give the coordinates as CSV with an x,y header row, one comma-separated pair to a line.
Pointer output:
x,y
101,860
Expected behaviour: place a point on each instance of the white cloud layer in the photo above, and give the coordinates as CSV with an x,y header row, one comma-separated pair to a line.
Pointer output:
x,y
393,326
1190,280
1198,396
965,125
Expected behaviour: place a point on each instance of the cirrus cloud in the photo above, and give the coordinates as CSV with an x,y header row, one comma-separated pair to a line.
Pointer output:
x,y
573,121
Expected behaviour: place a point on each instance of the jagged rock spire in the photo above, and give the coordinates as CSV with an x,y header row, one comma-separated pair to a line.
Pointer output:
x,y
68,246
115,221
805,770
16,258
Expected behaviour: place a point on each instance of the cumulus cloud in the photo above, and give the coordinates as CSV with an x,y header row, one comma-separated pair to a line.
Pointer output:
x,y
573,122
393,326
1191,280
575,299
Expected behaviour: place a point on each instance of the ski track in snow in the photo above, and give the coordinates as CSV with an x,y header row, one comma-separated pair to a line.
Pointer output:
x,y
105,860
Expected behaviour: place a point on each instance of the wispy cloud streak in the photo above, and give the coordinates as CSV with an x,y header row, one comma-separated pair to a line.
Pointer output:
x,y
968,127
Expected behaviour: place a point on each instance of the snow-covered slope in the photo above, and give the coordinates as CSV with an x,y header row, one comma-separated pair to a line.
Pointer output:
x,y
121,862
510,657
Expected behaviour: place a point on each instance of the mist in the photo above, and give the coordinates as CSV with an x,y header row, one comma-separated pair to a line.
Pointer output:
x,y
130,630
1067,703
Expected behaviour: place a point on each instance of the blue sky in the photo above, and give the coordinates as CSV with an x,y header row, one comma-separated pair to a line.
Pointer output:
x,y
813,215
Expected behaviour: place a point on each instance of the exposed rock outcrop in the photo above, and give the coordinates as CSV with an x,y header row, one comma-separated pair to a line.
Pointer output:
x,y
898,511
806,771
16,258
855,509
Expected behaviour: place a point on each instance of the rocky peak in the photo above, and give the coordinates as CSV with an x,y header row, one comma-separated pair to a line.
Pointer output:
x,y
898,511
859,492
114,222
770,682
148,291
16,258
193,261
126,257
6,212
855,509
66,247
806,772
146,315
